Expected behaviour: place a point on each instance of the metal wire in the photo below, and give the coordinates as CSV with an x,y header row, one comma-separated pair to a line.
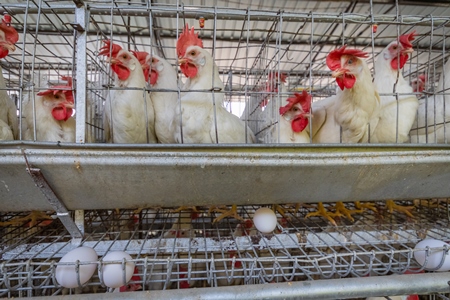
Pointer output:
x,y
171,249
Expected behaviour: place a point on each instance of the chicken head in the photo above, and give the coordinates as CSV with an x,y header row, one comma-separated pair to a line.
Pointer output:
x,y
297,111
190,52
122,62
398,53
8,36
346,65
59,99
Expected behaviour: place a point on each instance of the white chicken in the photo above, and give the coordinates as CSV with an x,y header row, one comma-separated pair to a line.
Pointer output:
x,y
396,117
203,117
433,114
164,82
128,114
9,127
53,117
355,108
294,117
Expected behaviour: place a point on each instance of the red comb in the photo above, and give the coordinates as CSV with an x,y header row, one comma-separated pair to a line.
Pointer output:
x,y
334,57
66,89
186,39
304,99
274,75
406,39
141,56
11,34
105,49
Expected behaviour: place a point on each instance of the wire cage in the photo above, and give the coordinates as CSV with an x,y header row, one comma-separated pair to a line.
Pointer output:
x,y
264,54
178,250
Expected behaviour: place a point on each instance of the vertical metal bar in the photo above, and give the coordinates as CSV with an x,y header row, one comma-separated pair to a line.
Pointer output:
x,y
247,98
444,88
80,76
213,72
22,71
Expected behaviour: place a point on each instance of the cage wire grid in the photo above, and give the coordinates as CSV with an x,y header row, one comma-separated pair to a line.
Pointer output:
x,y
172,249
248,42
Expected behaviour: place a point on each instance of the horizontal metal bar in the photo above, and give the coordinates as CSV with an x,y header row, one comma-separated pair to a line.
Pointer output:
x,y
216,175
230,14
347,288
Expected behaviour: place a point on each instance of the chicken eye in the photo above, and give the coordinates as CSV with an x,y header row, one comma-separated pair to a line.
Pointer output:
x,y
56,96
125,56
192,53
350,61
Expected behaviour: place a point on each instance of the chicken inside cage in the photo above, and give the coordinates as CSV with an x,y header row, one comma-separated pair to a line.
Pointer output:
x,y
367,80
105,107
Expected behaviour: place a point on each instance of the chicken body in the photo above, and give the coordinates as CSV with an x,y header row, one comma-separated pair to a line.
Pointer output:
x,y
129,115
396,117
355,108
164,102
53,117
9,127
433,115
202,113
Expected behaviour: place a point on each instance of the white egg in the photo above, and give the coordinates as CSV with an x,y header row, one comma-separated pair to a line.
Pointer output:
x,y
265,220
434,258
113,274
67,276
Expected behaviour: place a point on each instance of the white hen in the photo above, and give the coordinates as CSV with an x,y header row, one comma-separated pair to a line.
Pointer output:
x,y
355,109
128,114
203,117
433,115
9,128
396,117
53,117
164,82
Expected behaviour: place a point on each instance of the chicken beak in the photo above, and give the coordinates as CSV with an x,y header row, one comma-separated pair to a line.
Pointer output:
x,y
338,73
9,46
113,61
408,50
69,104
182,61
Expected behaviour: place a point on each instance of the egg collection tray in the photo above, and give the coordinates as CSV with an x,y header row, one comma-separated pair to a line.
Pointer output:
x,y
174,250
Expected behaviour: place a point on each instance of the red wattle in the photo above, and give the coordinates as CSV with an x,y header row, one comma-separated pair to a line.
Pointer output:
x,y
153,77
122,72
298,125
403,60
3,52
189,70
346,81
60,113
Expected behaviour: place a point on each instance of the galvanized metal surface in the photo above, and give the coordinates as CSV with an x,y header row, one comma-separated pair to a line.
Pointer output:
x,y
57,205
111,176
347,288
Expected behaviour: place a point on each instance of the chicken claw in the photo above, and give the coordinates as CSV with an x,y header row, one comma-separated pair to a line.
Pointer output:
x,y
322,212
391,206
367,205
228,213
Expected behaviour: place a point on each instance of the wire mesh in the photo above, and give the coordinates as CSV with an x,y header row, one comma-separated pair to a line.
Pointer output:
x,y
184,250
248,50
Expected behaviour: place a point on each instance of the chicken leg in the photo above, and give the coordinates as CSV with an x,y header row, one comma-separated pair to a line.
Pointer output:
x,y
228,213
364,206
321,211
391,206
32,219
